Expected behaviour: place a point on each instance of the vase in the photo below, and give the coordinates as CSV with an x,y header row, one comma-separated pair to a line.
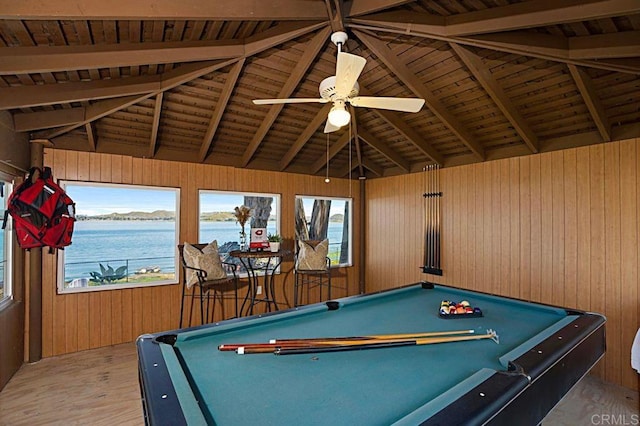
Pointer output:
x,y
243,241
274,247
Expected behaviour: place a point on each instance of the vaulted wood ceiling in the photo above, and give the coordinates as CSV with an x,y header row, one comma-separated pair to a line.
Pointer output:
x,y
175,79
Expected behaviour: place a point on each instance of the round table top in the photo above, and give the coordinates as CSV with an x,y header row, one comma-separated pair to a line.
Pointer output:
x,y
259,254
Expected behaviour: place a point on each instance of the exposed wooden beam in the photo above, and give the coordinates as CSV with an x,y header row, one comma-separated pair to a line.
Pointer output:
x,y
617,45
304,136
545,46
311,51
91,137
277,35
221,105
483,75
416,86
603,46
125,10
537,13
362,7
157,111
354,131
334,11
28,121
383,149
169,80
591,99
396,121
50,94
372,167
334,149
529,14
41,59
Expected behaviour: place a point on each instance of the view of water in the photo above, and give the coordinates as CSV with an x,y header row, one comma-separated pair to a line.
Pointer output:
x,y
143,244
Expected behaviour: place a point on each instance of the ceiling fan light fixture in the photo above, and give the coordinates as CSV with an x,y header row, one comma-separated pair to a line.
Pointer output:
x,y
339,116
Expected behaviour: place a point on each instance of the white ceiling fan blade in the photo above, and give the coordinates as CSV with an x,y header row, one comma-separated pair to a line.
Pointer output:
x,y
348,69
289,101
330,128
394,104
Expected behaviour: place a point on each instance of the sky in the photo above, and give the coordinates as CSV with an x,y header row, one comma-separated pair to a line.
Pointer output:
x,y
94,200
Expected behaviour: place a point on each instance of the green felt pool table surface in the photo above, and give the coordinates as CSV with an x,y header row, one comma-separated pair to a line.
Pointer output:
x,y
403,385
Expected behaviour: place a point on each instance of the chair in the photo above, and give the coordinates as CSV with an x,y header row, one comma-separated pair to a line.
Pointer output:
x,y
312,268
210,289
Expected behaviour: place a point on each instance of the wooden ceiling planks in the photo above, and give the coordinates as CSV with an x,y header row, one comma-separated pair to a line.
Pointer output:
x,y
495,89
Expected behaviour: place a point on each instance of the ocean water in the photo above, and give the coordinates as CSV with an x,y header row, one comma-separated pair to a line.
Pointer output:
x,y
142,244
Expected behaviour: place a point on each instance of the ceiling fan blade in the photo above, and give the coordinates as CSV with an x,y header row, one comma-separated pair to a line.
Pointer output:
x,y
394,104
348,69
289,101
330,128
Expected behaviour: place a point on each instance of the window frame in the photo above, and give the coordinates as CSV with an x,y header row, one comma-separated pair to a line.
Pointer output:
x,y
122,286
8,241
349,200
277,200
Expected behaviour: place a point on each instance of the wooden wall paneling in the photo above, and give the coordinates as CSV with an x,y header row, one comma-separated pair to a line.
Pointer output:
x,y
557,261
504,279
514,227
597,228
476,223
72,325
524,266
570,229
485,190
583,200
455,219
536,228
614,303
628,252
546,205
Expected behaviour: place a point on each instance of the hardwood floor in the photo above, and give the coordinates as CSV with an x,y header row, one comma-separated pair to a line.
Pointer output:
x,y
100,387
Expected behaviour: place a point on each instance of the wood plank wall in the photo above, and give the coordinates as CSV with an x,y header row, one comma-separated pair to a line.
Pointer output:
x,y
75,322
559,227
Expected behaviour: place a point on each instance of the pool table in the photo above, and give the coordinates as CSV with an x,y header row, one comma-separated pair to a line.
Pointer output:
x,y
542,352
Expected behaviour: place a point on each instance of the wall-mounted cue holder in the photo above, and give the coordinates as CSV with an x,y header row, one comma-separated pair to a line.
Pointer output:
x,y
432,220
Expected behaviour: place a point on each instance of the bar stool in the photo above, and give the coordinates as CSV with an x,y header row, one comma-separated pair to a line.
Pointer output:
x,y
211,284
312,269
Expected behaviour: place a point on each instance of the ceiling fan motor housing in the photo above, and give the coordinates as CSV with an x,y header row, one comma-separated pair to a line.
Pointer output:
x,y
328,89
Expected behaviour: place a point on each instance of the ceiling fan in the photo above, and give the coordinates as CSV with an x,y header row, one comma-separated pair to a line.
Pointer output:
x,y
343,89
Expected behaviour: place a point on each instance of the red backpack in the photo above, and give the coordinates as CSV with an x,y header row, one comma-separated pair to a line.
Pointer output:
x,y
43,214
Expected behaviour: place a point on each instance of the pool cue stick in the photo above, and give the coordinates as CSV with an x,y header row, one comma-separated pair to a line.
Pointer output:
x,y
385,344
276,342
426,216
434,202
436,191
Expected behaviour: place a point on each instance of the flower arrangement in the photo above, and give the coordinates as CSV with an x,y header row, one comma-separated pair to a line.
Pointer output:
x,y
242,214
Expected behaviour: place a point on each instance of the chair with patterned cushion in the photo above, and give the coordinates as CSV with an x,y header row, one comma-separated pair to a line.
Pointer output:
x,y
203,272
312,270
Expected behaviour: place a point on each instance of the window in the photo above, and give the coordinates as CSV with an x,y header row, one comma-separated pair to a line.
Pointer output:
x,y
217,221
125,236
318,218
6,246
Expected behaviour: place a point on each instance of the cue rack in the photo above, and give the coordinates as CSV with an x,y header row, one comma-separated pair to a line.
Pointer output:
x,y
432,220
